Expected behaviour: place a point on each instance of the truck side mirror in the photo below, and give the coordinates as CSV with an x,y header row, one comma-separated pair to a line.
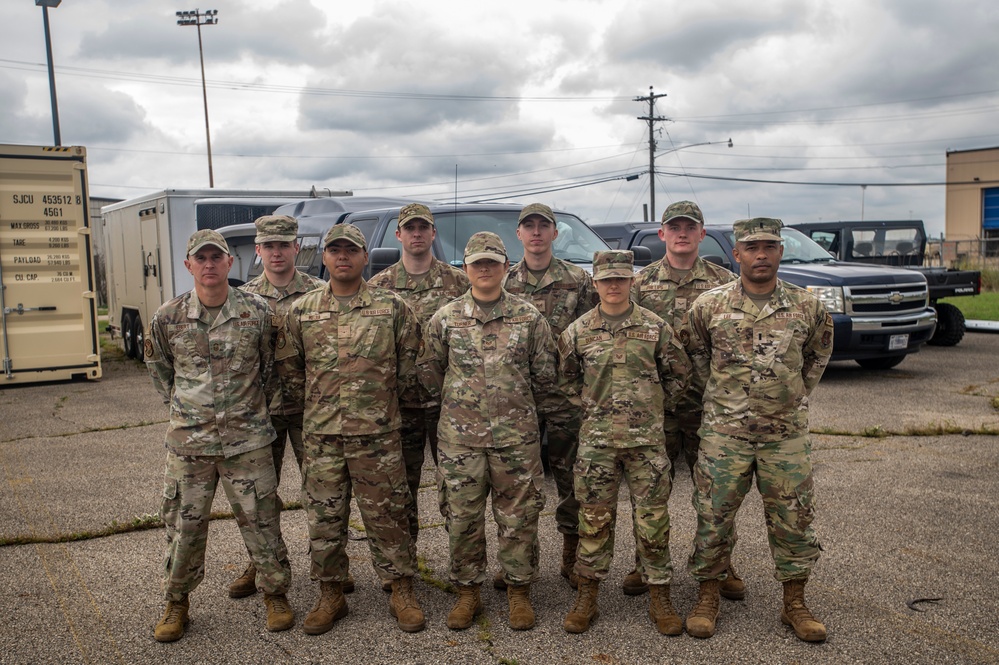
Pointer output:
x,y
642,255
718,261
381,258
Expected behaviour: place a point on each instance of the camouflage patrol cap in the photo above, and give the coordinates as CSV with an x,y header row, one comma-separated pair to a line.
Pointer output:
x,y
415,211
485,245
276,228
347,232
681,209
539,209
613,263
205,237
757,228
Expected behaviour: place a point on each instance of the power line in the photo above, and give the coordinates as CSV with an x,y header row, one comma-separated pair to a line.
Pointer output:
x,y
303,90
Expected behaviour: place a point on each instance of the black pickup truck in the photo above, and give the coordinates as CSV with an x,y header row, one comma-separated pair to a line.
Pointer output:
x,y
880,314
900,243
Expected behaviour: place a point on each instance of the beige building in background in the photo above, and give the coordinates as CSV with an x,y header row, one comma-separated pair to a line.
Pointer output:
x,y
972,194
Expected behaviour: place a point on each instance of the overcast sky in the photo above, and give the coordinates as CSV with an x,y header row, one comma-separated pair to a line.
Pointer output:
x,y
390,97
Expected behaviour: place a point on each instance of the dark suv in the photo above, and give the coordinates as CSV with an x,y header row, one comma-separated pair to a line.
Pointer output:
x,y
456,223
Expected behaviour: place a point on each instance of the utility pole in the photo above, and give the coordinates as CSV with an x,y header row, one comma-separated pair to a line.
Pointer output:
x,y
652,119
45,4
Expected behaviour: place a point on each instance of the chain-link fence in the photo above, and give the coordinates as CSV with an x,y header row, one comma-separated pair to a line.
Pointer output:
x,y
977,253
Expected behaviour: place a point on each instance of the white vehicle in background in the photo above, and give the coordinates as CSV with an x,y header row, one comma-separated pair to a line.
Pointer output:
x,y
145,241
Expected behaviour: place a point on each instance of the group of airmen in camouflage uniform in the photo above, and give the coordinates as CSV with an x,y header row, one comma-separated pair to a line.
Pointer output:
x,y
622,373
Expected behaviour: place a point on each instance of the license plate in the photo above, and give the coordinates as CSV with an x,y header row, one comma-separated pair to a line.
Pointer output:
x,y
898,342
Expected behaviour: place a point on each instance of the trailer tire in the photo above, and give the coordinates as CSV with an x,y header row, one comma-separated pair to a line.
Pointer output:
x,y
884,362
139,338
127,335
950,325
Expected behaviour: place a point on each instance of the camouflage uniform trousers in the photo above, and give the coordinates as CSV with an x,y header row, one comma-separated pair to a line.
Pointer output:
x,y
514,475
371,466
288,428
188,491
563,440
598,479
681,433
722,478
418,425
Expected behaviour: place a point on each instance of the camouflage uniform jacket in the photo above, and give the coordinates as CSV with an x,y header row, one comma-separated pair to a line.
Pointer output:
x,y
758,368
563,295
213,374
443,284
659,288
625,378
287,399
356,359
493,373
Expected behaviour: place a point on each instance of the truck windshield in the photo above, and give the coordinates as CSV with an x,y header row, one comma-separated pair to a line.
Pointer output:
x,y
575,243
799,248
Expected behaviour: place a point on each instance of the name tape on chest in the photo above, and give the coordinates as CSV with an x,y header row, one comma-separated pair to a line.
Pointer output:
x,y
596,337
316,316
730,316
246,323
174,328
524,318
462,323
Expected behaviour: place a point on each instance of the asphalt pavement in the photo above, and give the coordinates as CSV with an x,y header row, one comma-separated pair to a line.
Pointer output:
x,y
906,477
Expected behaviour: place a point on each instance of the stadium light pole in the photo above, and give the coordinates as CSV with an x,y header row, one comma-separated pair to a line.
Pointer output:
x,y
45,4
198,19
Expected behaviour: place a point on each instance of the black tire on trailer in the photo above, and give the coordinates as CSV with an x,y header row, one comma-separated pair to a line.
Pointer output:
x,y
127,335
139,337
884,362
950,325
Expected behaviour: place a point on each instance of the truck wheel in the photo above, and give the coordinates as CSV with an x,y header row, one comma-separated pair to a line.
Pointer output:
x,y
950,325
886,362
128,335
139,337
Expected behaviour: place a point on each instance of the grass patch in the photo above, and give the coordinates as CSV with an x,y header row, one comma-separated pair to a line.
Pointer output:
x,y
983,307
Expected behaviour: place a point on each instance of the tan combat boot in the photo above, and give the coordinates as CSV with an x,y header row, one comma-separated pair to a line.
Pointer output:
x,y
701,620
404,606
798,616
584,612
661,611
280,616
521,612
633,584
330,607
171,626
246,584
733,587
468,605
570,543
